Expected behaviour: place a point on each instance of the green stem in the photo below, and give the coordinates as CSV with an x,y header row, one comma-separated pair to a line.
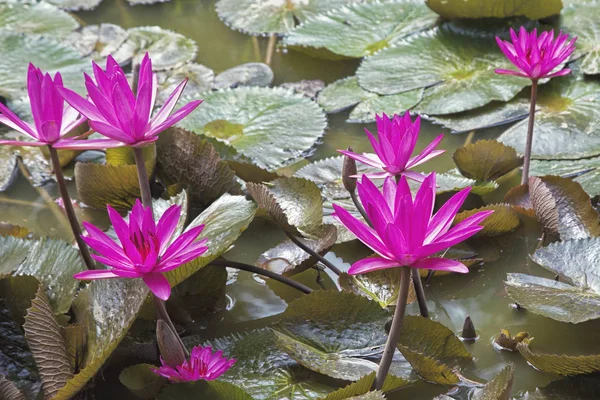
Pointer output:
x,y
528,145
360,208
64,193
390,345
143,177
313,253
420,292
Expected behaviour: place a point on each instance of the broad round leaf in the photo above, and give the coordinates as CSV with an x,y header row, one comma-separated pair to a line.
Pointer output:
x,y
518,197
363,386
362,29
486,160
499,388
201,390
8,167
272,126
249,74
34,17
306,87
585,171
563,365
453,181
460,66
381,286
97,41
342,94
503,220
200,79
76,5
583,21
142,381
366,110
533,9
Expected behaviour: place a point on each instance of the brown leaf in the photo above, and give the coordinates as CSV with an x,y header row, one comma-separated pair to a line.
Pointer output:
x,y
559,364
507,342
486,160
47,345
518,197
8,390
251,173
502,221
75,339
13,230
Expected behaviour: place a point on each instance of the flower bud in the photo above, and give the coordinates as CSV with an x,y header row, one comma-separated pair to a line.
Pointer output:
x,y
168,344
348,170
468,331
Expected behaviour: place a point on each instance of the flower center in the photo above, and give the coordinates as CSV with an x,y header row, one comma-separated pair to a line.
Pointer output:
x,y
145,244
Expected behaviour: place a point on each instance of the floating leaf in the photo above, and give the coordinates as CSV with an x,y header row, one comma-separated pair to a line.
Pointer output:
x,y
499,388
563,208
363,386
460,67
76,5
201,390
342,94
518,197
486,160
566,123
563,365
249,74
503,220
288,259
553,299
8,167
97,41
141,381
571,388
585,171
13,230
307,88
42,18
75,339
453,181
381,286
47,345
247,117
507,342
189,160
256,17
536,9
362,29
581,20
200,80
168,49
335,333
366,110
145,2
8,390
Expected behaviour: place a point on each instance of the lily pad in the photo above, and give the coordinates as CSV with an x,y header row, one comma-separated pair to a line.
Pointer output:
x,y
200,79
8,167
503,220
250,74
76,5
34,17
262,16
499,388
486,160
453,181
586,171
533,9
97,41
306,87
581,20
362,29
366,110
201,390
362,387
141,381
460,66
563,208
338,334
145,2
247,118
342,94
168,49
566,123
381,286
519,199
562,365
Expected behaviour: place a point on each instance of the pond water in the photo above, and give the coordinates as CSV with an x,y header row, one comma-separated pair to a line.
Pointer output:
x,y
479,294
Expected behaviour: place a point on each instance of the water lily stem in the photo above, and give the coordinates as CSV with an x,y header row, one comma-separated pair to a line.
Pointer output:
x,y
164,315
143,177
260,271
420,292
271,48
527,157
360,208
64,193
390,345
313,253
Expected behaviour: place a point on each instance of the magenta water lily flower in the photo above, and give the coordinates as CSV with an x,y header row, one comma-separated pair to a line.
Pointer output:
x,y
202,365
397,140
51,116
145,249
405,231
536,57
119,114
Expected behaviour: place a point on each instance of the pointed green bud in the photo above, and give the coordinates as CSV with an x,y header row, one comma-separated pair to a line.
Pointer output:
x,y
348,170
168,344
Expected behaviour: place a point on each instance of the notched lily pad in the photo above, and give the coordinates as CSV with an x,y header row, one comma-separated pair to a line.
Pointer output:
x,y
518,197
33,17
76,5
201,390
381,286
562,365
503,220
581,20
486,160
499,388
362,387
342,94
141,381
250,74
200,79
453,181
536,9
306,87
585,171
366,110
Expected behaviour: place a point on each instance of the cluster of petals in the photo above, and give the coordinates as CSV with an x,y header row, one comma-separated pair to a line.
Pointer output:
x,y
52,118
202,365
397,140
116,112
536,57
405,231
145,248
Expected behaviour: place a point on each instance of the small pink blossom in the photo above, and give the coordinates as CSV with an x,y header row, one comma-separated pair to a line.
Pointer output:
x,y
202,365
145,249
536,57
405,231
397,140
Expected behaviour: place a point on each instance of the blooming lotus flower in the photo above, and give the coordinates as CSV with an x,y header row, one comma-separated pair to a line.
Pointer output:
x,y
405,232
202,365
51,116
397,139
536,57
115,112
144,249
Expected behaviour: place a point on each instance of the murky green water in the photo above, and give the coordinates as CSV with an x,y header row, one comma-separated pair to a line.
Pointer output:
x,y
479,294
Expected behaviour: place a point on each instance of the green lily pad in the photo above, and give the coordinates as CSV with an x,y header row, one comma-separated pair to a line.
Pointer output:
x,y
553,299
42,18
499,388
338,334
581,20
486,160
571,388
145,2
200,79
362,29
247,118
586,171
201,390
265,371
453,181
249,74
52,262
141,381
258,16
306,87
460,66
536,9
168,49
343,93
97,41
76,5
562,365
366,110
362,387
503,220
381,286
9,170
565,125
563,208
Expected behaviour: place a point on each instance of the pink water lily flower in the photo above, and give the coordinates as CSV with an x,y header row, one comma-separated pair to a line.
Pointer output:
x,y
397,140
51,116
119,114
536,57
202,365
405,231
145,249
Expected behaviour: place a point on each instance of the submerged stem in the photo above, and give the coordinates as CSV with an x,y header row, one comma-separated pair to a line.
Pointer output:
x,y
164,315
261,271
270,48
64,193
390,345
143,177
528,145
313,253
420,292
